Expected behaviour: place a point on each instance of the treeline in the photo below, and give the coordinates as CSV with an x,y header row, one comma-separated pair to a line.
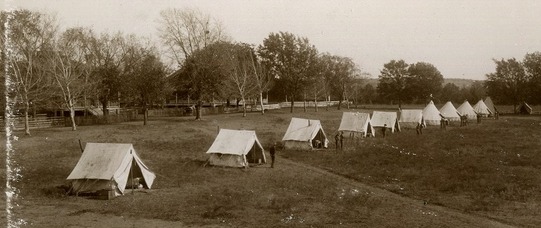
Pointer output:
x,y
51,68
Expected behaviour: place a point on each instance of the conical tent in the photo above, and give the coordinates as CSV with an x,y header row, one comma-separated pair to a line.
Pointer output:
x,y
236,148
481,109
431,114
524,108
465,109
356,123
108,166
302,134
449,112
380,119
490,105
410,118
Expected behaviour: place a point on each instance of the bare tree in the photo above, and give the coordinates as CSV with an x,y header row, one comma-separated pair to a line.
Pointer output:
x,y
185,31
263,80
69,68
241,77
29,36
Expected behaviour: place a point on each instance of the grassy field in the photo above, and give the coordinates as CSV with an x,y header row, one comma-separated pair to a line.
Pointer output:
x,y
465,174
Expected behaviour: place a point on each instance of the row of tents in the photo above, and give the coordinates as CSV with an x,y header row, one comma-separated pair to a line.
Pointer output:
x,y
117,167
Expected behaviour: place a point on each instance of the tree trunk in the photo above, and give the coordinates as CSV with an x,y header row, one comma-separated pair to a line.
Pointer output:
x,y
292,103
104,109
328,99
243,107
315,102
339,104
26,122
72,115
261,102
198,110
145,115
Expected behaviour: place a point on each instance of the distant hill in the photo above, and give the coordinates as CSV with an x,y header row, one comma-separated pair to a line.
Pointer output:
x,y
460,82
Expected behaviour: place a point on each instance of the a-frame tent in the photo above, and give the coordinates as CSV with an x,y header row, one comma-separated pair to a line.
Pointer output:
x,y
356,123
236,148
380,119
449,112
465,109
482,109
490,105
431,114
302,134
524,108
410,118
108,167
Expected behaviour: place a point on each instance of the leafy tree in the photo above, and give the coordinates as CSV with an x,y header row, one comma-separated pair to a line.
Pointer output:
x,y
30,35
424,81
340,75
532,66
185,31
202,74
451,92
476,92
108,57
508,84
148,82
392,81
290,59
369,94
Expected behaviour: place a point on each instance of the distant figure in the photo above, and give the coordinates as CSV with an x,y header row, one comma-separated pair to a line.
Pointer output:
x,y
419,129
497,115
337,139
341,141
272,152
443,123
463,120
383,130
317,143
478,118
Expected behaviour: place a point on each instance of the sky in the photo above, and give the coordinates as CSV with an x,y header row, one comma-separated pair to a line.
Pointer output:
x,y
459,37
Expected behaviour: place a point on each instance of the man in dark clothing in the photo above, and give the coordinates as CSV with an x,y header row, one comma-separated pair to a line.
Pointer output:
x,y
341,141
337,139
383,130
272,151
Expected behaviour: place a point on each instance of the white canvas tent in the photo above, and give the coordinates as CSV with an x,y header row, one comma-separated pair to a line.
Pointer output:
x,y
431,114
303,133
410,118
108,167
490,105
449,112
356,123
379,119
482,109
236,148
465,109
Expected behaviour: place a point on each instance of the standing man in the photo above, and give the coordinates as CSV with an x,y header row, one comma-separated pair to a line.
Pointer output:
x,y
383,130
341,141
337,139
272,151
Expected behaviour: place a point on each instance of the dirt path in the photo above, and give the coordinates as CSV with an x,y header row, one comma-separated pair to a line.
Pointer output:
x,y
449,217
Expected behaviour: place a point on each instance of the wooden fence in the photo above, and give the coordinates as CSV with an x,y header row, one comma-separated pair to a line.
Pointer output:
x,y
36,122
